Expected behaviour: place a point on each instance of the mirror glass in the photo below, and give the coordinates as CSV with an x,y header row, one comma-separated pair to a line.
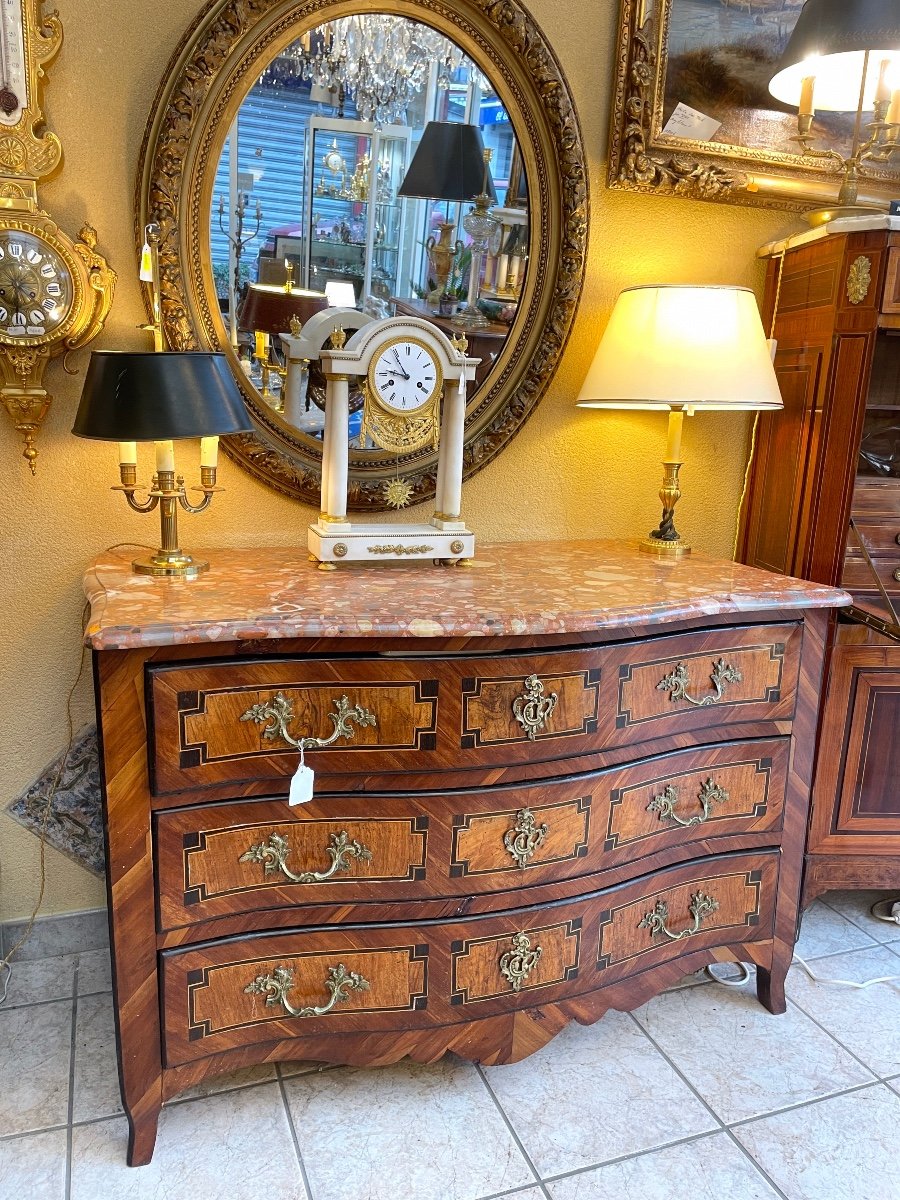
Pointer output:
x,y
314,204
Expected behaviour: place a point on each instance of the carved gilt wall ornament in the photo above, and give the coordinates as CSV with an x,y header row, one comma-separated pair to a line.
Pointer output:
x,y
218,60
755,160
859,280
55,291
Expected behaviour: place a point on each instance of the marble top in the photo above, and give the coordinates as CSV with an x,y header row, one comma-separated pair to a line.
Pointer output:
x,y
862,224
514,588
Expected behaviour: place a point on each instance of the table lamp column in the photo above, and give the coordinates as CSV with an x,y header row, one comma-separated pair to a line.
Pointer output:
x,y
681,348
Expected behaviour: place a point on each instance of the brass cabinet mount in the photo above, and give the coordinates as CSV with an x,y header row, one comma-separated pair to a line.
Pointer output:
x,y
277,714
273,854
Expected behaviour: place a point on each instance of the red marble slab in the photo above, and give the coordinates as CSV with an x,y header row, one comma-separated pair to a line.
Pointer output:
x,y
513,588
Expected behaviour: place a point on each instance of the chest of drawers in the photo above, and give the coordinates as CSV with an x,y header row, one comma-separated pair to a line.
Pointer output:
x,y
544,787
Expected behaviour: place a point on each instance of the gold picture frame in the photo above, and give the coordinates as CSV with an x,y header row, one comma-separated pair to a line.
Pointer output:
x,y
716,64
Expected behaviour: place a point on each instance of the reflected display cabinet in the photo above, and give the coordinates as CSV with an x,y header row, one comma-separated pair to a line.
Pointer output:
x,y
357,228
824,503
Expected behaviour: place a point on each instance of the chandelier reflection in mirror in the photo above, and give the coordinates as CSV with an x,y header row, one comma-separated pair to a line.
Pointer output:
x,y
382,61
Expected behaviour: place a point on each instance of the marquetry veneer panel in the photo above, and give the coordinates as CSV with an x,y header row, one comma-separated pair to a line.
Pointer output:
x,y
463,712
215,860
374,978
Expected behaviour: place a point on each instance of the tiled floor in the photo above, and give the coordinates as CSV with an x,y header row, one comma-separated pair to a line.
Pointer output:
x,y
699,1095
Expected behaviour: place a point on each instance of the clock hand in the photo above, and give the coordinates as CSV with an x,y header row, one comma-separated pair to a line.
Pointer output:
x,y
399,363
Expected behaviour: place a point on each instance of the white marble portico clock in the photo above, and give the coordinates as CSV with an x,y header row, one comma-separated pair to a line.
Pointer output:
x,y
414,382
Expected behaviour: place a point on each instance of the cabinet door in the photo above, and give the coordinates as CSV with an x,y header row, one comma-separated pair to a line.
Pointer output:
x,y
856,804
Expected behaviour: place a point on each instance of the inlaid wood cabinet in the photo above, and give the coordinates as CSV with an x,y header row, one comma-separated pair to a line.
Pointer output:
x,y
832,457
507,833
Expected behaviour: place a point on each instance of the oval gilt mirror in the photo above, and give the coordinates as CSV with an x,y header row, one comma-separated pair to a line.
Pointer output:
x,y
404,156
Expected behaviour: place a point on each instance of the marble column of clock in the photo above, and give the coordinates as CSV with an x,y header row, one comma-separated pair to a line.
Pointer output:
x,y
449,482
336,451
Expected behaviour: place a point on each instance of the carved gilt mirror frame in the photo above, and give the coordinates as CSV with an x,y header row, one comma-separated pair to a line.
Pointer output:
x,y
669,52
211,71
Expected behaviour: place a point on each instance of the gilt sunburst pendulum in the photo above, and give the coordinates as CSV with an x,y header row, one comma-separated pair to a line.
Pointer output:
x,y
397,492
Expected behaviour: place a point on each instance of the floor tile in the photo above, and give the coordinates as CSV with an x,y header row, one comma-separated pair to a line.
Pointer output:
x,y
844,1148
301,1067
595,1093
533,1193
710,1168
895,1084
866,1021
428,1132
226,1147
742,1060
96,1079
824,931
855,906
35,1046
34,1166
94,972
32,982
245,1077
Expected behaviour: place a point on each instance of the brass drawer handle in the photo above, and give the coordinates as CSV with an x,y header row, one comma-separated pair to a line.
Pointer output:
x,y
274,852
678,681
280,712
701,907
525,837
533,709
710,793
276,986
518,963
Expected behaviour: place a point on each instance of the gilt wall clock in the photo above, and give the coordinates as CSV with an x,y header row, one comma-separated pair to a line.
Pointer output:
x,y
55,292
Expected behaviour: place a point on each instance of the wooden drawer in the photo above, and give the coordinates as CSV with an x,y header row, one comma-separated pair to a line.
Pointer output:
x,y
223,723
857,575
881,539
222,859
228,994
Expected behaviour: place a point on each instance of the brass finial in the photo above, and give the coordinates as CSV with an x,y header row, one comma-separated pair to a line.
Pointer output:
x,y
289,275
339,338
460,343
296,325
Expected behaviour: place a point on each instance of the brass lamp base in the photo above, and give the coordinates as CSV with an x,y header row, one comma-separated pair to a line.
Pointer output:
x,y
665,540
172,566
652,545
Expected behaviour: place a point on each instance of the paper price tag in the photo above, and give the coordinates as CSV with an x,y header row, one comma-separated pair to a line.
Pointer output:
x,y
302,785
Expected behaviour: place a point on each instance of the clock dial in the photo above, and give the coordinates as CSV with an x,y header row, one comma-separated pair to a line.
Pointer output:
x,y
35,286
405,376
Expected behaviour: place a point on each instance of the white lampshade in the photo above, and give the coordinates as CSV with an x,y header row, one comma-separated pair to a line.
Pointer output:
x,y
838,78
683,347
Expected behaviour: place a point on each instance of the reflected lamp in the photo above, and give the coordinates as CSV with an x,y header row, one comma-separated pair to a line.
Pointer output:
x,y
448,164
681,349
844,56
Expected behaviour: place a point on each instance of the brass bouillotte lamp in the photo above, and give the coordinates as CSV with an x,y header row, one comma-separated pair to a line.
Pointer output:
x,y
160,397
681,349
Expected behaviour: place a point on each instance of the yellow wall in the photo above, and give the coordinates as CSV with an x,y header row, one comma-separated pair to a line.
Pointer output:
x,y
568,473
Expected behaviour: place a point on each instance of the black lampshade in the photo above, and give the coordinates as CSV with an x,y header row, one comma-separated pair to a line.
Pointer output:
x,y
837,33
154,396
448,164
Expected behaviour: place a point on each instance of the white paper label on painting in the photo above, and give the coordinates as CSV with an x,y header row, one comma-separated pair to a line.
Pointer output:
x,y
694,126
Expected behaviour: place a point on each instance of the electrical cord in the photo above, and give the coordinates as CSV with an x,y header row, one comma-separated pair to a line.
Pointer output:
x,y
6,960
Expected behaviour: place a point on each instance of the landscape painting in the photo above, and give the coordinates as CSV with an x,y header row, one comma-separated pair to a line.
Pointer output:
x,y
721,56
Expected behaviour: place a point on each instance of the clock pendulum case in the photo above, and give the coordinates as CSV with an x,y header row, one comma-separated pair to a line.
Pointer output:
x,y
55,293
414,382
